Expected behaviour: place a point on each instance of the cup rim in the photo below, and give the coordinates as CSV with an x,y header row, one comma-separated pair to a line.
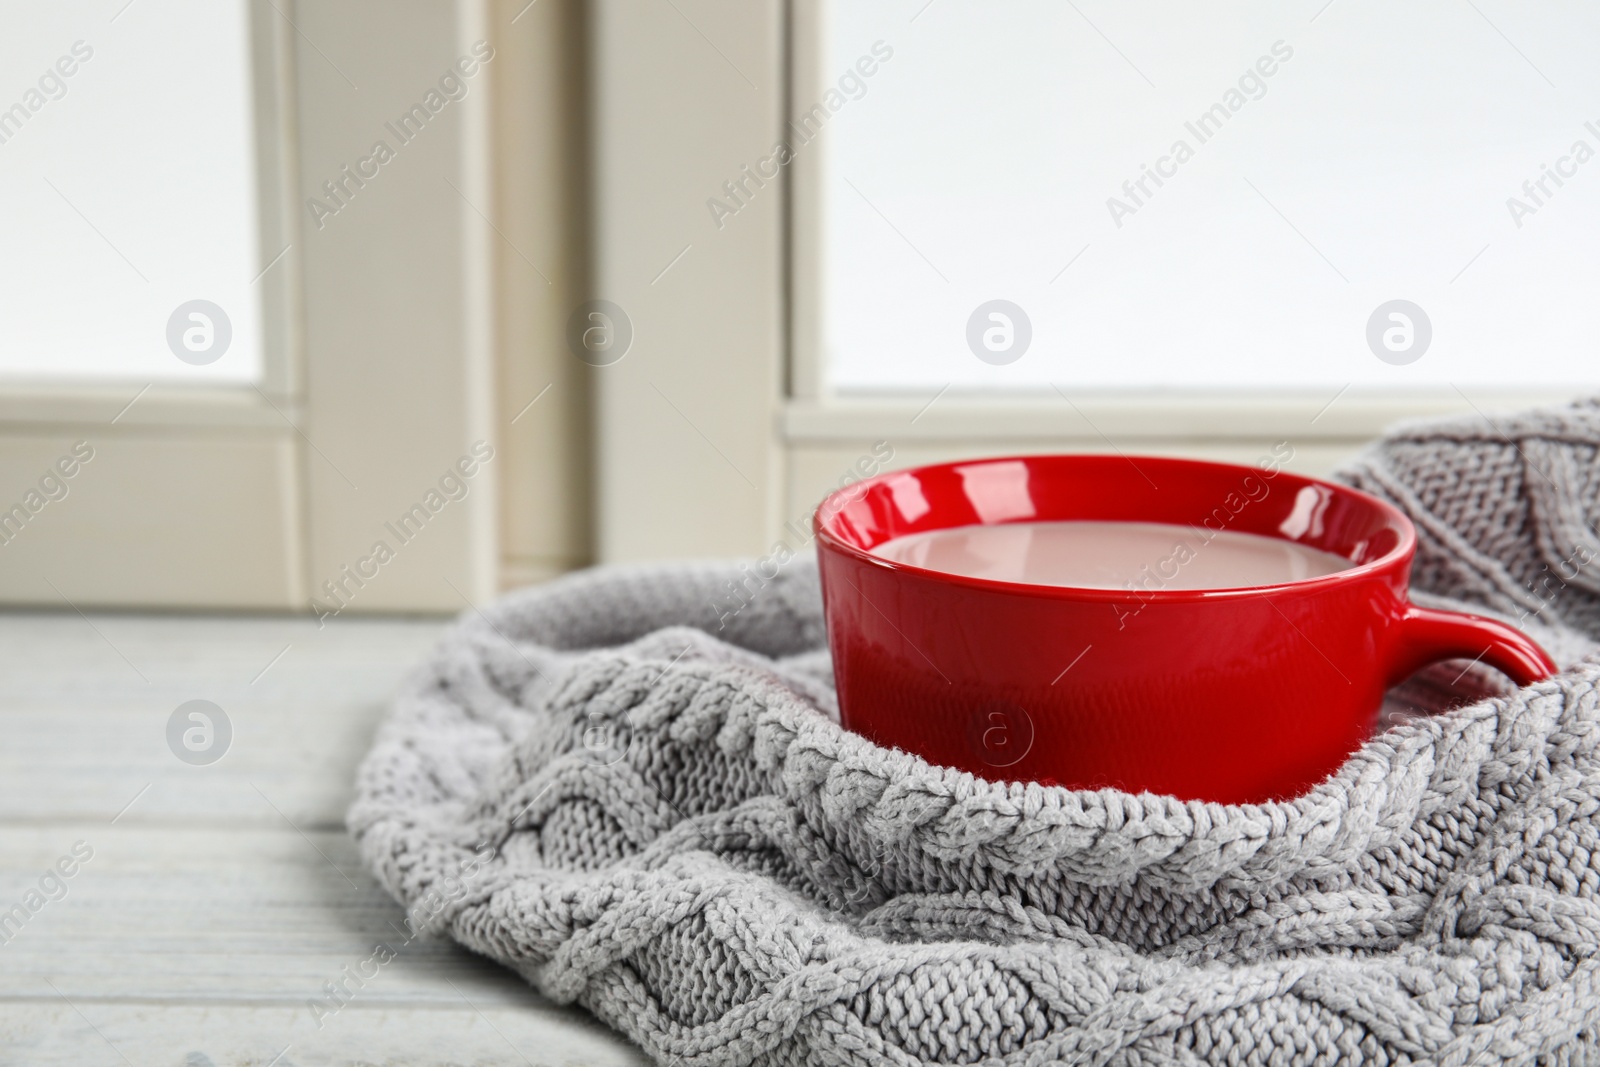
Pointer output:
x,y
1397,557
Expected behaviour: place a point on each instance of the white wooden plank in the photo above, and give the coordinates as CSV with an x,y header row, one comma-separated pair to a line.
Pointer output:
x,y
55,1034
221,916
176,940
217,905
86,703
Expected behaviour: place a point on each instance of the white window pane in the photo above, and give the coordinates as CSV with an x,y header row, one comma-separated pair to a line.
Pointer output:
x,y
130,190
1374,163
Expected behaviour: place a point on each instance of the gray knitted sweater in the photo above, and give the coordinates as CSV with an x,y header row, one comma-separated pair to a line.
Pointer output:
x,y
663,821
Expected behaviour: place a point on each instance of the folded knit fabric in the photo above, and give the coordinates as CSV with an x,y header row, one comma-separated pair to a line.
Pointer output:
x,y
662,820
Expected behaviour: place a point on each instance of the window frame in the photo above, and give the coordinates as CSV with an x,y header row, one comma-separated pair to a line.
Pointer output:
x,y
91,403
663,490
224,496
1182,416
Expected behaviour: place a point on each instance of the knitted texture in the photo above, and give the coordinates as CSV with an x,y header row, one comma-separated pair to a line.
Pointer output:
x,y
662,821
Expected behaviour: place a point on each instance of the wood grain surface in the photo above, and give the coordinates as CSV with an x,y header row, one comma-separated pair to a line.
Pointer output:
x,y
218,900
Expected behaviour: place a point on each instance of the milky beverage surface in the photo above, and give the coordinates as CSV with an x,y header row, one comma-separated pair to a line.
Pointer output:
x,y
1112,555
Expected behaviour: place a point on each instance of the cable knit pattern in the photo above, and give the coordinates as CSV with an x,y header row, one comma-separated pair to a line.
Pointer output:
x,y
663,821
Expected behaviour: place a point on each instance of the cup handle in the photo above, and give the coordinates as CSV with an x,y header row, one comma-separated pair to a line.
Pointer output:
x,y
1427,636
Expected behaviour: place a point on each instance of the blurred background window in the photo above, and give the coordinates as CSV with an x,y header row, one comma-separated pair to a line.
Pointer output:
x,y
129,178
1179,196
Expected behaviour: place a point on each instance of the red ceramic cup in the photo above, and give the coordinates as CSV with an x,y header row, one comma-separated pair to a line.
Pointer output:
x,y
1231,695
